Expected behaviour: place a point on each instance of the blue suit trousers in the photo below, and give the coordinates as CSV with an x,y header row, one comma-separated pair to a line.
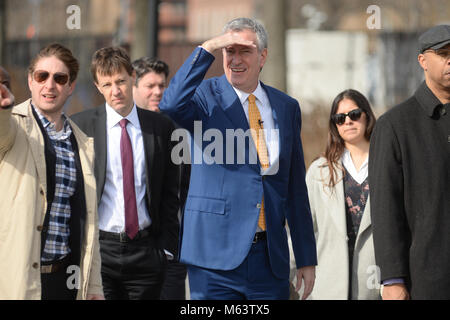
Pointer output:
x,y
252,280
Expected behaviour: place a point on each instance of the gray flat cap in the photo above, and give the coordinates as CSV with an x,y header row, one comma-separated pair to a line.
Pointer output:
x,y
435,38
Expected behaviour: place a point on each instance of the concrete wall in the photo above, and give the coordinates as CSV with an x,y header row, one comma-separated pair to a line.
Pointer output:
x,y
320,64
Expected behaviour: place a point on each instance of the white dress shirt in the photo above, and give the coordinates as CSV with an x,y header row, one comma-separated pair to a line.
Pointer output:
x,y
270,132
358,175
111,208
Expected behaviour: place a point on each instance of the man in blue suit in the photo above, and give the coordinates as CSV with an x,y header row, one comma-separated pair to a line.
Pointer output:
x,y
234,238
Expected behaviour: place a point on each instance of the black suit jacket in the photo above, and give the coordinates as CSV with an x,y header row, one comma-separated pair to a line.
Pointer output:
x,y
162,174
409,173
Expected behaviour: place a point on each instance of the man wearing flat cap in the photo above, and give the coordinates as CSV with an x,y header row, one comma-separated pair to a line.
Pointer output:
x,y
409,170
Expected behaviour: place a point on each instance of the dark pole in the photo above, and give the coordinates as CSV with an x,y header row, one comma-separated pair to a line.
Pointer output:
x,y
274,18
145,41
153,25
2,31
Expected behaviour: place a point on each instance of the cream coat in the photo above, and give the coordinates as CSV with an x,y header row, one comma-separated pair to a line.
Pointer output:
x,y
330,228
23,205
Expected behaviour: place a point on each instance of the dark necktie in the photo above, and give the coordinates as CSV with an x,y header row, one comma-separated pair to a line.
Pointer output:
x,y
129,194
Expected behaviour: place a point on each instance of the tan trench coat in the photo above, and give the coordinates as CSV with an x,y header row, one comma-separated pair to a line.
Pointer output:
x,y
23,203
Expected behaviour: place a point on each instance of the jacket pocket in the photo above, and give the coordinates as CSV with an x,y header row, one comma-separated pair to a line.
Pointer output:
x,y
208,205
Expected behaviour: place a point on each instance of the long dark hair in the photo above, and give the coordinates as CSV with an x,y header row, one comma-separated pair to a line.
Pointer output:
x,y
335,144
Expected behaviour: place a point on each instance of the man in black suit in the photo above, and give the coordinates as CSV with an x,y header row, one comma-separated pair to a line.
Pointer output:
x,y
151,81
137,182
409,172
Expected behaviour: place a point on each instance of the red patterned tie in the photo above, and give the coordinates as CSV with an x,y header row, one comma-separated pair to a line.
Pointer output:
x,y
129,193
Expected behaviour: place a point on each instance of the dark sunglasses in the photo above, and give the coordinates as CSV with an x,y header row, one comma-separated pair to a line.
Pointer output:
x,y
59,77
339,118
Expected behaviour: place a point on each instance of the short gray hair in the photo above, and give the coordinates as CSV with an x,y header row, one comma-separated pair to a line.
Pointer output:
x,y
240,24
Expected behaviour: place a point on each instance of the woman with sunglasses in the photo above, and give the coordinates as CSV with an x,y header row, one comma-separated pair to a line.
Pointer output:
x,y
338,190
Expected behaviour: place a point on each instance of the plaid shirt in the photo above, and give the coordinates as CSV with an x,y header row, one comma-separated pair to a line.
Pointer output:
x,y
57,242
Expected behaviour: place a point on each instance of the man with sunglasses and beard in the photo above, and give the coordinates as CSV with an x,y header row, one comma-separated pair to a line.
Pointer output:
x,y
48,211
409,171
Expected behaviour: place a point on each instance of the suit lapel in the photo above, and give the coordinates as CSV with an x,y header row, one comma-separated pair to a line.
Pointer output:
x,y
277,110
232,105
234,111
148,136
100,147
37,149
365,221
338,202
279,116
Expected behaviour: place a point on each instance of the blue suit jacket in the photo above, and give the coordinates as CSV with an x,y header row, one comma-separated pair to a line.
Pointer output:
x,y
221,212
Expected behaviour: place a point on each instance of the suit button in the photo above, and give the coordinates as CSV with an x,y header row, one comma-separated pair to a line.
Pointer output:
x,y
258,205
40,228
41,192
35,265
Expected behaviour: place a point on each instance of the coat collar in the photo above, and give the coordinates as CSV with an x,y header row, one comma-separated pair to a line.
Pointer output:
x,y
337,199
23,109
427,100
365,221
35,140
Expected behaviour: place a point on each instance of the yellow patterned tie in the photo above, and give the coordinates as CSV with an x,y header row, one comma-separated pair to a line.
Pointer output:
x,y
256,127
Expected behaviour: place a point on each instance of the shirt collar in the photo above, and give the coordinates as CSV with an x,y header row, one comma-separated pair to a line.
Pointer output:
x,y
348,162
243,96
427,100
50,127
113,118
44,120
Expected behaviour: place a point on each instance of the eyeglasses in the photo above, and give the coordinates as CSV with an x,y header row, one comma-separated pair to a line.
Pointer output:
x,y
59,77
443,53
339,118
